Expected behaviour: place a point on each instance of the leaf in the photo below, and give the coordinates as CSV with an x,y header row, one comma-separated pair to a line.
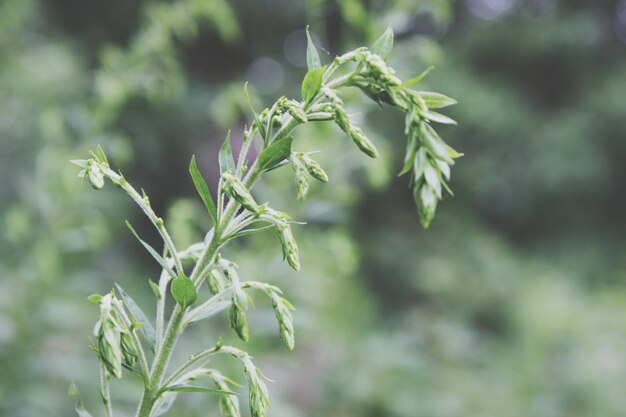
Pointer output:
x,y
436,100
257,122
164,404
195,388
417,78
101,156
184,291
312,57
203,189
409,156
438,117
227,163
312,83
275,153
155,289
207,310
383,45
80,409
95,299
152,252
147,331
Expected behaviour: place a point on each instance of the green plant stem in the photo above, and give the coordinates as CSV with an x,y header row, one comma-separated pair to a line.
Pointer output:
x,y
121,182
104,387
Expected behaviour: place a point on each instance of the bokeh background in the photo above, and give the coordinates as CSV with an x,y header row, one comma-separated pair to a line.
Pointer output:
x,y
513,303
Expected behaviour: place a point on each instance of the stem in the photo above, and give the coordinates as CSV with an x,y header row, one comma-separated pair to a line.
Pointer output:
x,y
174,328
104,387
121,182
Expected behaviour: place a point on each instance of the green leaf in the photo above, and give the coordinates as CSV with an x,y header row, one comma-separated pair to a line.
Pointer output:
x,y
195,388
80,409
312,57
95,299
438,117
257,122
383,45
417,78
155,289
312,83
183,291
409,156
152,252
203,189
275,153
146,330
227,163
436,100
101,156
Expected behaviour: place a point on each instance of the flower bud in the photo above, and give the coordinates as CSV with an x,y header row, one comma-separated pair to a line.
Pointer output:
x,y
290,247
282,309
237,313
341,118
296,111
108,338
314,168
302,184
95,175
235,189
214,282
363,142
426,199
129,350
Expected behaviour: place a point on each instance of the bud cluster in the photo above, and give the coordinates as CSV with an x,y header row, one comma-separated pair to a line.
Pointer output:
x,y
114,344
282,309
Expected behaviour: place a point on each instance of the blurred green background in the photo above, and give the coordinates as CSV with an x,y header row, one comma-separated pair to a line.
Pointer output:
x,y
511,305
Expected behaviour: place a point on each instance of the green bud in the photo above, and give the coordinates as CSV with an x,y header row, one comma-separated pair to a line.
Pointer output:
x,y
290,247
302,183
296,111
341,118
235,189
282,309
129,350
108,338
95,175
214,282
237,313
314,168
426,199
363,142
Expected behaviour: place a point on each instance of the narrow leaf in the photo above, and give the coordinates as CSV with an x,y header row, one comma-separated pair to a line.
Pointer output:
x,y
312,83
183,291
195,388
207,310
409,156
312,57
383,45
155,289
275,153
146,330
438,117
227,163
152,252
417,78
436,100
257,122
203,189
80,409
